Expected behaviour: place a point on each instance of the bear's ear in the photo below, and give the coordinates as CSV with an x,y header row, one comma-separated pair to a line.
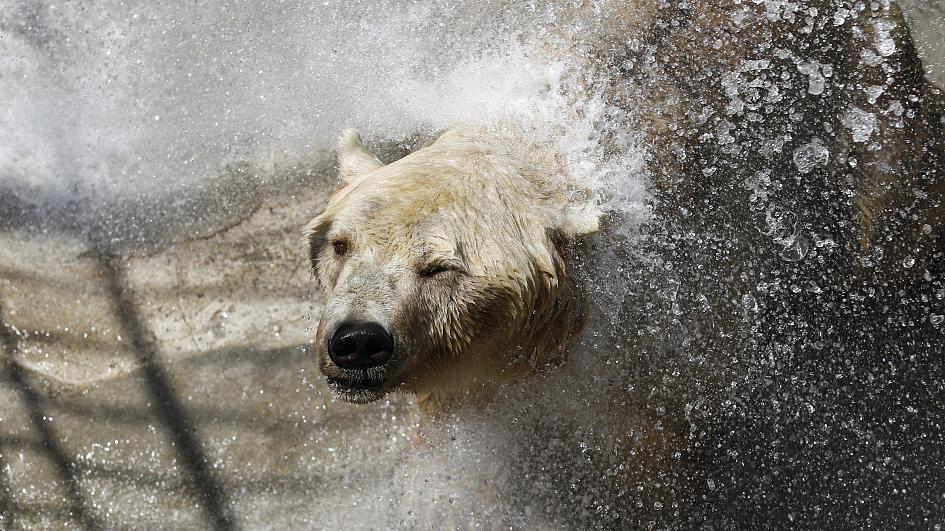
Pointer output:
x,y
580,220
354,160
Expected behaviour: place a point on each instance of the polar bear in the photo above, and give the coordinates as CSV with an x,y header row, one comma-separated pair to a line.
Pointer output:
x,y
446,272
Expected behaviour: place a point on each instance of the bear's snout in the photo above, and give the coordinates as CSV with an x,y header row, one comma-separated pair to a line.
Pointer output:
x,y
360,346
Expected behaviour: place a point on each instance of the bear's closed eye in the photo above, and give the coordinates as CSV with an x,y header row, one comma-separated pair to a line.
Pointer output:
x,y
433,269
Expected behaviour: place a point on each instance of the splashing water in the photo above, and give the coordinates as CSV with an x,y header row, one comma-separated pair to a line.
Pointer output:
x,y
134,102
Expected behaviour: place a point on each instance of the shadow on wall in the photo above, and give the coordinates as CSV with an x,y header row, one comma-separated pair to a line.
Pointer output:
x,y
78,315
166,408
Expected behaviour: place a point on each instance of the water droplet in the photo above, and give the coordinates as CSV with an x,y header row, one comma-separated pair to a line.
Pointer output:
x,y
860,123
936,319
749,303
810,155
218,323
908,262
815,79
795,249
873,92
882,40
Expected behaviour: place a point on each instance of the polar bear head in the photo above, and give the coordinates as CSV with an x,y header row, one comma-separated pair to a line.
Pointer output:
x,y
446,270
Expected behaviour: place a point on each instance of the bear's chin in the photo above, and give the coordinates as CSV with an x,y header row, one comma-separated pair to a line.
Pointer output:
x,y
356,392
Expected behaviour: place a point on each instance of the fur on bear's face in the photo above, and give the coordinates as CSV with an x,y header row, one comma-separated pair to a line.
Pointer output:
x,y
446,269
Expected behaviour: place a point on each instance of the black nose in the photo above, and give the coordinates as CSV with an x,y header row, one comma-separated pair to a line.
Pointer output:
x,y
360,346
